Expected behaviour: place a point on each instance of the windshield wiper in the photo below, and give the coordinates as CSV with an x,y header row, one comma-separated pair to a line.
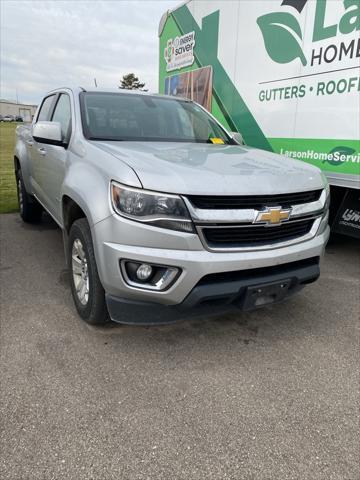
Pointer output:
x,y
106,139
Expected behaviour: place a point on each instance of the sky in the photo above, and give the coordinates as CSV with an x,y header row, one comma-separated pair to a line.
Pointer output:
x,y
46,44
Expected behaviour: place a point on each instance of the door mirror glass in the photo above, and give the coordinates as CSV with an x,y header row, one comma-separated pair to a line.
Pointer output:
x,y
237,137
48,133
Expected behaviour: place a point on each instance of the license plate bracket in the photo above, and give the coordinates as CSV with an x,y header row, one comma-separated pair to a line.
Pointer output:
x,y
265,294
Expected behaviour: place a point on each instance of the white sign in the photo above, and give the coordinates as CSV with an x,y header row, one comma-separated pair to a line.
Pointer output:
x,y
179,52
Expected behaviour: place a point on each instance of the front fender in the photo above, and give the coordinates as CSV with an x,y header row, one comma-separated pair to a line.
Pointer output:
x,y
85,186
89,186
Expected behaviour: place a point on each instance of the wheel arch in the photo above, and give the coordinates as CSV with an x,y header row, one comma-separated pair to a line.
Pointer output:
x,y
17,165
71,211
22,164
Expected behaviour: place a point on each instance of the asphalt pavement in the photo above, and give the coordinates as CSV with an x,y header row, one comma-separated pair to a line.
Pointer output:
x,y
266,395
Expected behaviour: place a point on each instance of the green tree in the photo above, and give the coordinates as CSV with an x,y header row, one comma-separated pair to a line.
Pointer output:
x,y
131,82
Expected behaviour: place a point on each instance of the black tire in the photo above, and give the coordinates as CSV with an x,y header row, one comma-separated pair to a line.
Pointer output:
x,y
94,310
30,208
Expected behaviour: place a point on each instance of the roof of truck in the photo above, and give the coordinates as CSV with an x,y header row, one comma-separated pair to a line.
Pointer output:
x,y
97,89
78,89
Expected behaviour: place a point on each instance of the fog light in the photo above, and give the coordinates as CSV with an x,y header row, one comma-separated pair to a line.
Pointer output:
x,y
144,272
148,277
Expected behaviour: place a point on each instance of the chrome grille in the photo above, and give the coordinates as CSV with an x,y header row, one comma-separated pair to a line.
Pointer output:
x,y
230,223
254,235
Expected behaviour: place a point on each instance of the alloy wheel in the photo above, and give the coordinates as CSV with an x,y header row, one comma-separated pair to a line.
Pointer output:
x,y
80,272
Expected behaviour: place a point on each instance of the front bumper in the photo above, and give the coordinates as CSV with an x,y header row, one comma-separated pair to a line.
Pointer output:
x,y
216,293
186,252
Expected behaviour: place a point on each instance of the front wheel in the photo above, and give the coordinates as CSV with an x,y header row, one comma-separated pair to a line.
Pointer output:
x,y
86,288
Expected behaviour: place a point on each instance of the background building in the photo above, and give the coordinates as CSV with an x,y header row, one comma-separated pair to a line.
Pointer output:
x,y
25,111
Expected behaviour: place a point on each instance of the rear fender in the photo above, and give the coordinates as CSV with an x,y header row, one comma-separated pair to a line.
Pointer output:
x,y
21,159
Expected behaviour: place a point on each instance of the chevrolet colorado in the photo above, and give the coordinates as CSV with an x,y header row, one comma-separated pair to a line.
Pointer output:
x,y
163,210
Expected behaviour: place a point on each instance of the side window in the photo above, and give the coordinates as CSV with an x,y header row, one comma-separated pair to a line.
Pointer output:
x,y
45,108
62,114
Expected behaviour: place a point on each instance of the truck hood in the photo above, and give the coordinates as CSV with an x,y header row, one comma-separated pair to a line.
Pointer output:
x,y
202,169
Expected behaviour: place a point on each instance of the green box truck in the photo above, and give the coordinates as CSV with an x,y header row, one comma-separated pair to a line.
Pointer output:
x,y
284,74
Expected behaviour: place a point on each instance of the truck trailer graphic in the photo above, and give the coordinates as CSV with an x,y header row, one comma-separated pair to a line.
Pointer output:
x,y
285,74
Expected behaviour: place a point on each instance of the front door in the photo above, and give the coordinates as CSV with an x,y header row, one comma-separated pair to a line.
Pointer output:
x,y
54,158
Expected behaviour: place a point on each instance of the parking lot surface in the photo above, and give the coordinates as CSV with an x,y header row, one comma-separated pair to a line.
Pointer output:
x,y
271,394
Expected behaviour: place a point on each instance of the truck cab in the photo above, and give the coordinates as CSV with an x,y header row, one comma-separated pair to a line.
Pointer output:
x,y
163,211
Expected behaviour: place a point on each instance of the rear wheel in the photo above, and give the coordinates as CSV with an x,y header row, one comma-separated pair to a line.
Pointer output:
x,y
86,288
30,208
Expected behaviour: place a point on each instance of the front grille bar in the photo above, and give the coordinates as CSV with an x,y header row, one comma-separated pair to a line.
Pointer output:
x,y
248,215
236,202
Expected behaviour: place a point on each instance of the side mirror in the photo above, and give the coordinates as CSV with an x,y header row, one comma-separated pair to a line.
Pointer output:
x,y
48,133
237,137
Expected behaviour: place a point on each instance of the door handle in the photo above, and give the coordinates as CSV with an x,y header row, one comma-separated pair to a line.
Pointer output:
x,y
30,143
42,151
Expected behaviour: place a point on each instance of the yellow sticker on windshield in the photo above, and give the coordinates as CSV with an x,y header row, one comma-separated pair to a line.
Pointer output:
x,y
217,141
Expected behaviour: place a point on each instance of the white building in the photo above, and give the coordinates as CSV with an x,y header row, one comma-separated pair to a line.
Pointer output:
x,y
25,111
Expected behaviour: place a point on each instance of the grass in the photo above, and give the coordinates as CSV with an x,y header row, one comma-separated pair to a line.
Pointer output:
x,y
8,198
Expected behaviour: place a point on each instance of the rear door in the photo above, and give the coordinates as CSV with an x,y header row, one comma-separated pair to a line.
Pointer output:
x,y
34,149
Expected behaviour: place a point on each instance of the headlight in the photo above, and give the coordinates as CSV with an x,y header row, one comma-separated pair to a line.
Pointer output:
x,y
158,209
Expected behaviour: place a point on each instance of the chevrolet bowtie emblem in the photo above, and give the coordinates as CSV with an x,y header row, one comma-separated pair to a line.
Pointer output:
x,y
273,216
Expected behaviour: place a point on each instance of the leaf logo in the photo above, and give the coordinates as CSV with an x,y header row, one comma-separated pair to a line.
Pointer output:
x,y
282,37
339,151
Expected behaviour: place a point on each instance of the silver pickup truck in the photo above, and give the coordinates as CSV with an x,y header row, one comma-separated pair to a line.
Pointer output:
x,y
163,210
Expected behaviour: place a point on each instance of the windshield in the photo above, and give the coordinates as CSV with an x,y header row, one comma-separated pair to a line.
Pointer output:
x,y
133,117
